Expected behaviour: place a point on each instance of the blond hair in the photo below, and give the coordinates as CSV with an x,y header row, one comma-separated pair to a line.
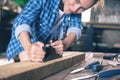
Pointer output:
x,y
100,5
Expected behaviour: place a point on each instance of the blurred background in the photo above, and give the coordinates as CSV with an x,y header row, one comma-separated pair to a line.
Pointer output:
x,y
101,31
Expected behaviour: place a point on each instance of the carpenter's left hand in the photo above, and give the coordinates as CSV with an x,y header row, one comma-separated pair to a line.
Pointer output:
x,y
58,46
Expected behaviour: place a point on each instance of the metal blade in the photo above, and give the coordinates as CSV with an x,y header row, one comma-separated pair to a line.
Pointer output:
x,y
85,77
77,70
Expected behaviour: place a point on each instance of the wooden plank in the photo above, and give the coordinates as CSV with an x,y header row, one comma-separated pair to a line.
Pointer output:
x,y
36,70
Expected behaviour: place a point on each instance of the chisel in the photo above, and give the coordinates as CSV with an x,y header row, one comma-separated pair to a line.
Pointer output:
x,y
104,74
89,66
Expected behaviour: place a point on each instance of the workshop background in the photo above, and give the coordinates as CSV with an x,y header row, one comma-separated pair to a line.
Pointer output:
x,y
101,28
100,42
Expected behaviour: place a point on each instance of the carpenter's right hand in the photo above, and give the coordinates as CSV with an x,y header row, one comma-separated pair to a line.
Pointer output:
x,y
36,52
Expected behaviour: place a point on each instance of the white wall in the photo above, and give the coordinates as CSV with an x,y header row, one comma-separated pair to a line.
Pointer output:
x,y
86,15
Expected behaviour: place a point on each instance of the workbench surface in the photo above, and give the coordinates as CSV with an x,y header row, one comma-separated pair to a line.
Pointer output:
x,y
65,74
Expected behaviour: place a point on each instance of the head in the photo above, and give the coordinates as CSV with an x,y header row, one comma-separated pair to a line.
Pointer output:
x,y
77,6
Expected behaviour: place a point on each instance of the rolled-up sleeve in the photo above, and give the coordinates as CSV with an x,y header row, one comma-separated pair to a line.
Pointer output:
x,y
21,28
75,30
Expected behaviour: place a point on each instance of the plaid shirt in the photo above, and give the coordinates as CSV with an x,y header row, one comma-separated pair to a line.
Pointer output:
x,y
40,15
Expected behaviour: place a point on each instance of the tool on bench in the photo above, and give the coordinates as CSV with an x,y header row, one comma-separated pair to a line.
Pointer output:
x,y
110,56
97,68
112,59
118,57
103,74
50,51
94,66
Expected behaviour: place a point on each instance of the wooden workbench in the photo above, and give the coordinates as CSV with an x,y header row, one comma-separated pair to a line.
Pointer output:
x,y
65,74
58,69
28,70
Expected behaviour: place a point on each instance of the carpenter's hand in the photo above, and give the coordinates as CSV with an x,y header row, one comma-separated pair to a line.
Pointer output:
x,y
58,46
36,52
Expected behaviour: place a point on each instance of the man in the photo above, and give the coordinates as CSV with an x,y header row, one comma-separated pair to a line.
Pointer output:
x,y
31,29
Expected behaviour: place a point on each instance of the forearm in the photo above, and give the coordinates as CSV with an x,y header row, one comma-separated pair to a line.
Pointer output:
x,y
73,34
24,39
67,42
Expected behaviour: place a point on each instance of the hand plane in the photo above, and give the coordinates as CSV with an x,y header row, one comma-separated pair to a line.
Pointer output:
x,y
50,52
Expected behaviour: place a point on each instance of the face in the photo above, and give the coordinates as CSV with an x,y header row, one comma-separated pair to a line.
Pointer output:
x,y
77,6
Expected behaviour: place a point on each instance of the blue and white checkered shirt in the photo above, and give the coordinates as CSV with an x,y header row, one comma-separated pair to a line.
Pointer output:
x,y
40,15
